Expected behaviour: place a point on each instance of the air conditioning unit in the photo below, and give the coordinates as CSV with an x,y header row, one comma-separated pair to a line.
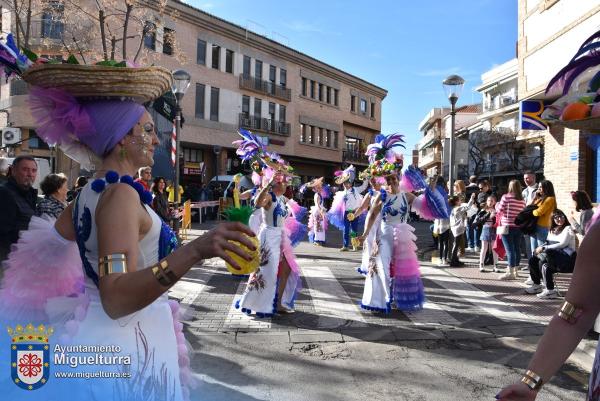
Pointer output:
x,y
10,136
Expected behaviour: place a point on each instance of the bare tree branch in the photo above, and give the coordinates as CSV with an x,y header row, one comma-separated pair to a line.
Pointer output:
x,y
127,13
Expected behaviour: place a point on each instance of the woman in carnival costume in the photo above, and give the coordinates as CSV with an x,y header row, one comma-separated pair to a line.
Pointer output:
x,y
376,184
393,270
99,275
345,202
272,288
317,220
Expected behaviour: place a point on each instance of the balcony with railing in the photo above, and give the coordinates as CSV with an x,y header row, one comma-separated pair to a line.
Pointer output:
x,y
354,156
267,125
431,136
265,87
429,158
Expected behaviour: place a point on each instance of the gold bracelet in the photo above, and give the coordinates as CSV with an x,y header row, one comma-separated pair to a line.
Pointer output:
x,y
109,264
569,312
163,274
532,380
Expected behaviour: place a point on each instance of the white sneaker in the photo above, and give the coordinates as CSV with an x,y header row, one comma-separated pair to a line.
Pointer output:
x,y
482,269
534,289
469,249
528,282
548,294
497,269
509,275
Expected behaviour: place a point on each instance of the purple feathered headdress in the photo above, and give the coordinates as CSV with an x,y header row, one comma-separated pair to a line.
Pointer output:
x,y
249,146
586,57
383,148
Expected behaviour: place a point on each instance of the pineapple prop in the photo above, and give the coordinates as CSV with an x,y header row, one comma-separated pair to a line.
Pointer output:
x,y
241,214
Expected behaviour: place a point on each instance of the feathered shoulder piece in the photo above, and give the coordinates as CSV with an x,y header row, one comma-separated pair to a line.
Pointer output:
x,y
383,148
249,147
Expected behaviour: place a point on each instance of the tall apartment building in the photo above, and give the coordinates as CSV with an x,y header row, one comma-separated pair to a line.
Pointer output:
x,y
430,147
315,115
550,32
500,150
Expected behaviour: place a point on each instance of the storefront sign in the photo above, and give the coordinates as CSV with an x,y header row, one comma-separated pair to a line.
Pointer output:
x,y
191,168
530,115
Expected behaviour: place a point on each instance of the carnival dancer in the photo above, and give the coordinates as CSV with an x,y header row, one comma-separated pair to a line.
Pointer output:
x,y
345,202
99,275
273,286
367,204
393,271
317,221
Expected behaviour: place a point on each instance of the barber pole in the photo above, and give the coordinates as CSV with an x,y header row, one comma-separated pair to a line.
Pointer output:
x,y
173,145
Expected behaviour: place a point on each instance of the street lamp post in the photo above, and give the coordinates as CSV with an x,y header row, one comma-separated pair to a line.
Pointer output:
x,y
181,82
452,86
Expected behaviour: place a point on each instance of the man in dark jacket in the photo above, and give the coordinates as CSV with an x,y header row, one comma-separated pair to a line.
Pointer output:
x,y
17,202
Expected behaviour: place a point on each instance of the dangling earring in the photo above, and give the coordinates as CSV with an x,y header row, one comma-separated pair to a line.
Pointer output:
x,y
122,153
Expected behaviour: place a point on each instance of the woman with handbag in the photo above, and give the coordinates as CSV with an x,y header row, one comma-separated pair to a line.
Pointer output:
x,y
509,207
556,255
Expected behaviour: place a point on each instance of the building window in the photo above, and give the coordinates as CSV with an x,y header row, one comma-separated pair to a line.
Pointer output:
x,y
282,111
257,107
150,36
258,69
311,135
282,78
229,61
328,138
216,56
312,89
246,105
35,142
352,103
335,139
304,83
302,133
271,111
200,89
52,21
247,62
214,104
168,41
272,75
201,52
363,106
321,92
372,110
328,92
192,155
321,136
335,97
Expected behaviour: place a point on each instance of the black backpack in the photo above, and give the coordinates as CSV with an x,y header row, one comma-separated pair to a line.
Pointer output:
x,y
526,221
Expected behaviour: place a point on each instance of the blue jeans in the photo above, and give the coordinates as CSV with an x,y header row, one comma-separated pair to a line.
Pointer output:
x,y
473,236
349,226
512,245
538,238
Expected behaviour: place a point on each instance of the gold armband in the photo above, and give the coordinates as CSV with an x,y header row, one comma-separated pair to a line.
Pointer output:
x,y
532,380
569,312
163,274
109,264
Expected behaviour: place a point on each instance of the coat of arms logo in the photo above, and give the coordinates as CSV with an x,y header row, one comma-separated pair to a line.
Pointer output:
x,y
30,355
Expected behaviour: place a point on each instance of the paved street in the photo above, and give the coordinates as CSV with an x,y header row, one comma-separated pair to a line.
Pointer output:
x,y
487,326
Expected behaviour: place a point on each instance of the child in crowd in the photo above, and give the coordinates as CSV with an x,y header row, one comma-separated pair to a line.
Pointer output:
x,y
486,218
458,226
441,230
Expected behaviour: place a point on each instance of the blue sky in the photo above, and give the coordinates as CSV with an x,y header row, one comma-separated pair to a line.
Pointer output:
x,y
407,47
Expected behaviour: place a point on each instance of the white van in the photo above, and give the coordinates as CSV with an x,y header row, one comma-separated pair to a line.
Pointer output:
x,y
43,168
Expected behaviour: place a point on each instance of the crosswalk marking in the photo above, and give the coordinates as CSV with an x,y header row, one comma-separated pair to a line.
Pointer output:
x,y
328,296
475,296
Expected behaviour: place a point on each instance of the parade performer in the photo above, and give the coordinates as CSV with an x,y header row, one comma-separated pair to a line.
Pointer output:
x,y
345,202
272,288
393,270
99,276
317,221
367,204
